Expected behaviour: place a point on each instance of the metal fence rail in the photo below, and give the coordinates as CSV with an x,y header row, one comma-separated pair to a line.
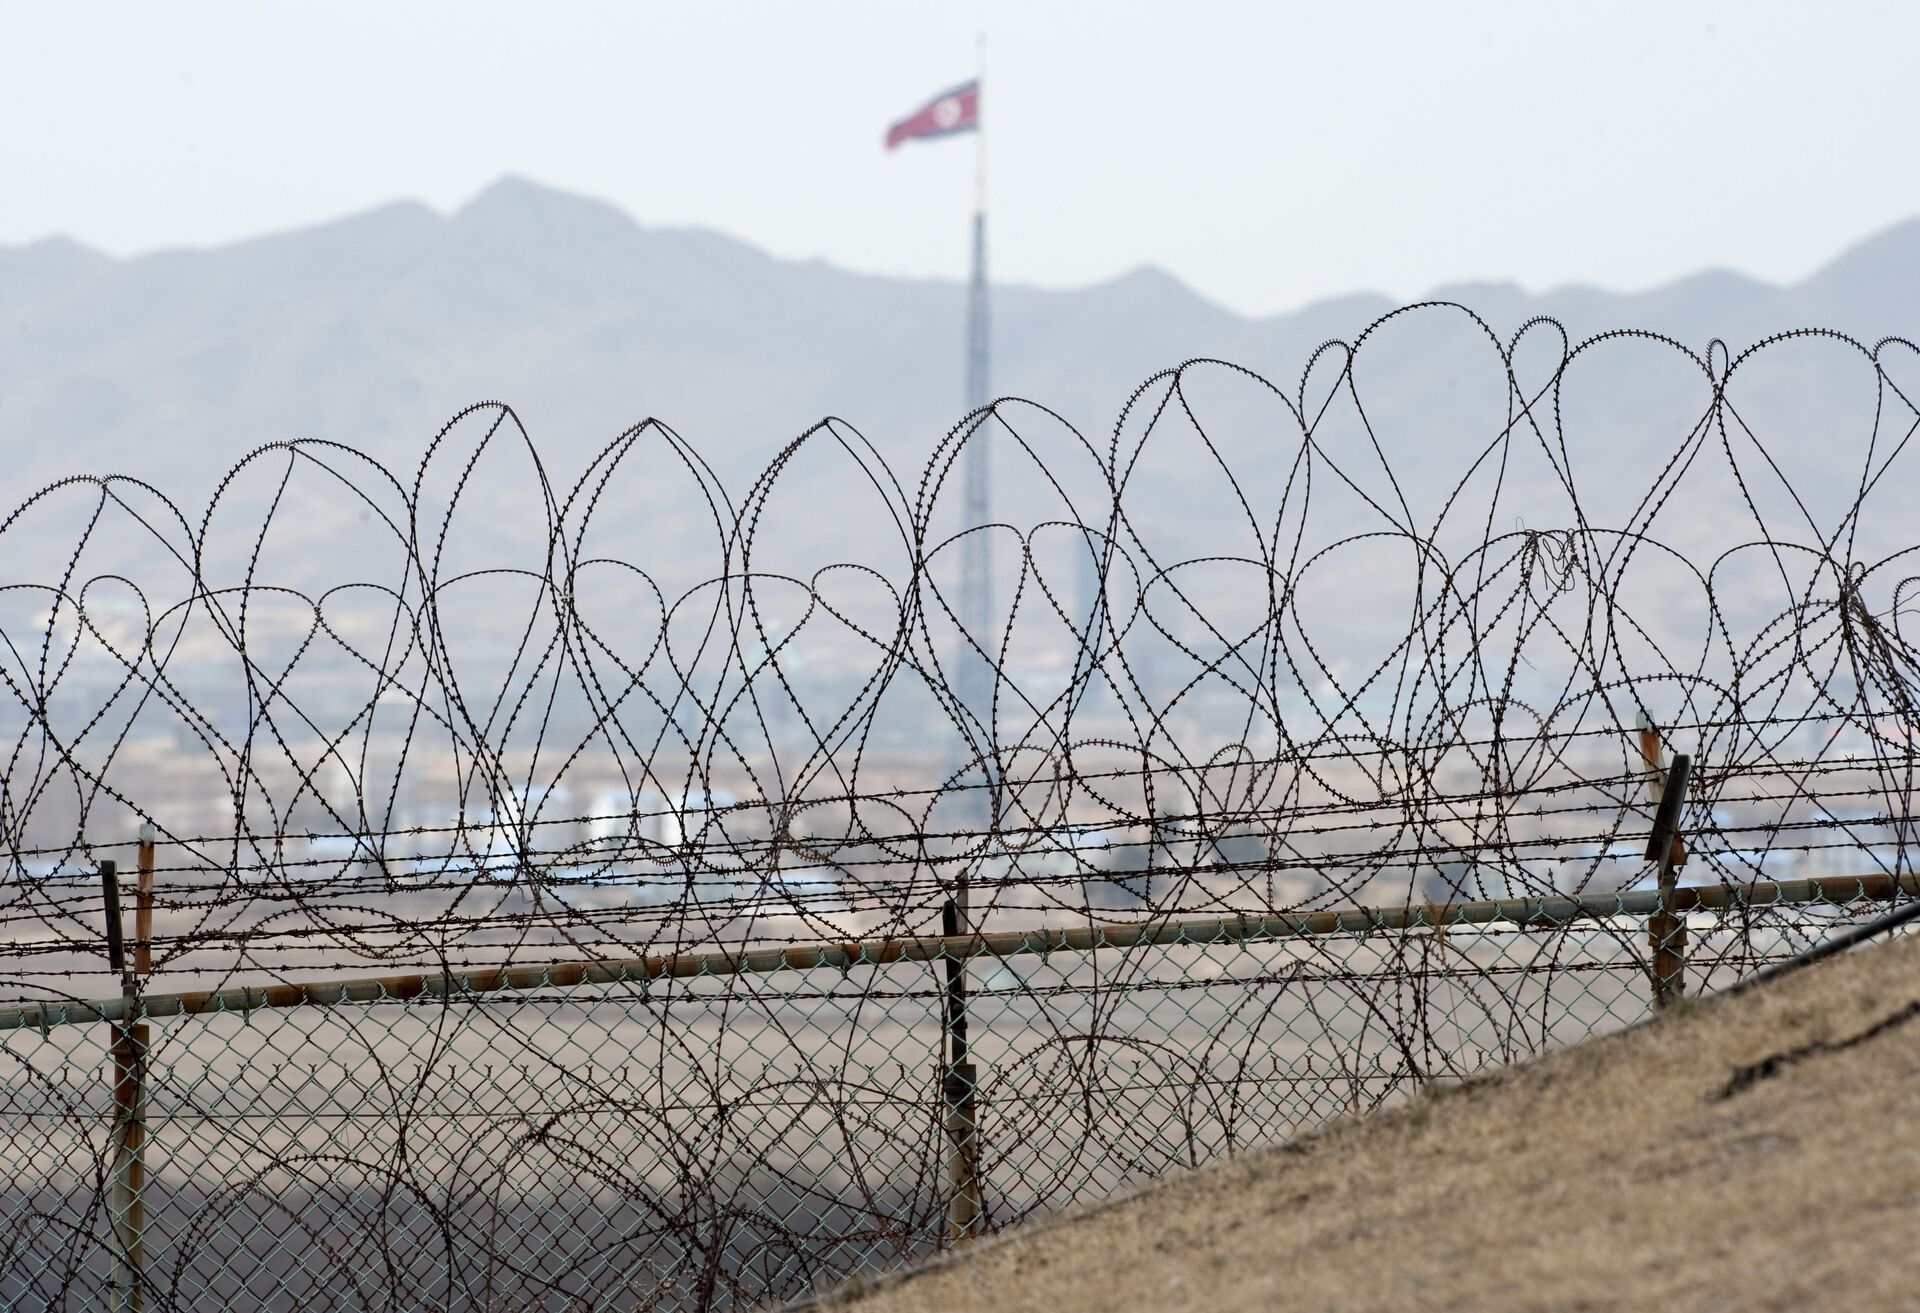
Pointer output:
x,y
1239,928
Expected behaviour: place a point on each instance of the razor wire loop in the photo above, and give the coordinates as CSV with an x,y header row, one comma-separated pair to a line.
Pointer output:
x,y
503,840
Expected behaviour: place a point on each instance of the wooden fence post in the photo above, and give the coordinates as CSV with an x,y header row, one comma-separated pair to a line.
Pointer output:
x,y
957,1089
127,1202
1666,932
143,906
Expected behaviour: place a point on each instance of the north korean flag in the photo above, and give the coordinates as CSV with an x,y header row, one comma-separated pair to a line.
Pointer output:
x,y
949,112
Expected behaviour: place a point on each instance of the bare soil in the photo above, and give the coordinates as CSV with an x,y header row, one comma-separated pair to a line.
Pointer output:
x,y
1748,1153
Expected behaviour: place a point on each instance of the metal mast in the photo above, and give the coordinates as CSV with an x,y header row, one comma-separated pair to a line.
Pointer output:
x,y
975,674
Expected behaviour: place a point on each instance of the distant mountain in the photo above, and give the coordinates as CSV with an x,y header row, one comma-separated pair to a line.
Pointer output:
x,y
373,329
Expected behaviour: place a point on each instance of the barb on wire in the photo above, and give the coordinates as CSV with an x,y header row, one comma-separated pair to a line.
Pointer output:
x,y
1366,640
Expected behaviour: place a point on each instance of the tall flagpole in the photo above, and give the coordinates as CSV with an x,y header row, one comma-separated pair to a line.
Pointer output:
x,y
976,560
977,287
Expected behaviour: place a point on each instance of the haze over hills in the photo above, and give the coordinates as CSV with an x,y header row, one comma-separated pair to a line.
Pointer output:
x,y
1471,523
374,329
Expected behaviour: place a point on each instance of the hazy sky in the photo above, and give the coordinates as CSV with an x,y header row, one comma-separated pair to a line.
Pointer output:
x,y
1266,153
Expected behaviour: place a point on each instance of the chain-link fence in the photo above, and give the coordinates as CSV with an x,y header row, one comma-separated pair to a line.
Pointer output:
x,y
714,1130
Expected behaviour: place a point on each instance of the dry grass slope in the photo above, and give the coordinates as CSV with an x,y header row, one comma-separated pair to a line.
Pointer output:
x,y
1747,1153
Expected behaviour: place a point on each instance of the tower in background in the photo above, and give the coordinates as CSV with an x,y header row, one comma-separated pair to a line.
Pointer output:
x,y
975,673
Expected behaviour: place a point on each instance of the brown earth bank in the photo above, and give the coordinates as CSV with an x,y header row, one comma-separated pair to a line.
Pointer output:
x,y
1744,1153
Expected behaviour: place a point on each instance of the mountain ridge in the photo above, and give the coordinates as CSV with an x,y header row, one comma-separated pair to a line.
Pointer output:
x,y
371,328
513,202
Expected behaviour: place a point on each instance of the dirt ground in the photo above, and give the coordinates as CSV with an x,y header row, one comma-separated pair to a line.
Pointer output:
x,y
1743,1154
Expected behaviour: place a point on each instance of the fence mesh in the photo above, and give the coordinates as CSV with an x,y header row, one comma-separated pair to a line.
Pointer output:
x,y
720,1140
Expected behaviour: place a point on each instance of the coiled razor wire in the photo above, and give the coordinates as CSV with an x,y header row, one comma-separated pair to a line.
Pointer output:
x,y
1352,649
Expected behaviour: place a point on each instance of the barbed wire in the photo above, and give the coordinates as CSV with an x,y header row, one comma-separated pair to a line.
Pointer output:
x,y
1258,651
